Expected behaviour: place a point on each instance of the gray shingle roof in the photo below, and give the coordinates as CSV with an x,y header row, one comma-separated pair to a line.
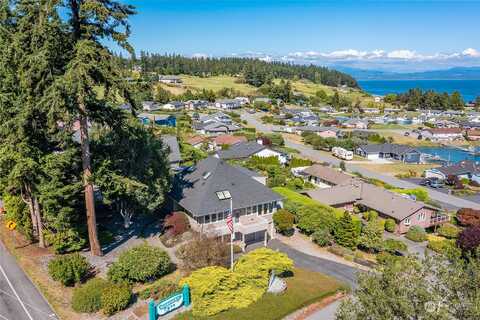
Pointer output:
x,y
196,190
241,150
387,148
330,175
462,167
172,143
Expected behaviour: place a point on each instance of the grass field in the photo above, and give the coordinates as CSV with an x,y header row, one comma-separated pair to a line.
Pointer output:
x,y
217,83
303,289
394,169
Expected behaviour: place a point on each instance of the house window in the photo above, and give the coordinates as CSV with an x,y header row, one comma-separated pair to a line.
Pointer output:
x,y
422,216
207,218
406,221
259,209
249,210
270,207
265,208
214,217
220,216
199,219
254,209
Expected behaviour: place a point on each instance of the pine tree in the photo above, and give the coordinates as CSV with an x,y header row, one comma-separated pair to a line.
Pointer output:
x,y
92,65
345,232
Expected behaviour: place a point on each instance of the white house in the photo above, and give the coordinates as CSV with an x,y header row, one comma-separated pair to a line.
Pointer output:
x,y
252,148
170,79
228,104
150,106
442,134
173,106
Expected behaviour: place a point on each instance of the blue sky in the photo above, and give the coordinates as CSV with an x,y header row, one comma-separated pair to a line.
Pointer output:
x,y
396,35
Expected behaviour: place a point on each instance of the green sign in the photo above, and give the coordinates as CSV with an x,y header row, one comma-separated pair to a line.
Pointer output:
x,y
169,304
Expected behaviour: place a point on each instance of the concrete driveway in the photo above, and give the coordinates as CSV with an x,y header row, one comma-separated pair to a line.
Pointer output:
x,y
343,273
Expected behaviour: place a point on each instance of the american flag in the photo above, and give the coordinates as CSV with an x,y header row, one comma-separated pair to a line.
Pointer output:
x,y
230,222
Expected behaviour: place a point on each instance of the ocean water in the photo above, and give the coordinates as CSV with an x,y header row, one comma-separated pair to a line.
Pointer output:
x,y
451,155
470,89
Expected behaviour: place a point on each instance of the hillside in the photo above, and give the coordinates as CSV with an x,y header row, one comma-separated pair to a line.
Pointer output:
x,y
217,83
254,71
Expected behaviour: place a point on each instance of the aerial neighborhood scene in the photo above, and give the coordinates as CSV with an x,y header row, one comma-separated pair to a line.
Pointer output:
x,y
239,160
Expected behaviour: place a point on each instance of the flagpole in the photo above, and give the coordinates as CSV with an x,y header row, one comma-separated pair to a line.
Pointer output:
x,y
231,235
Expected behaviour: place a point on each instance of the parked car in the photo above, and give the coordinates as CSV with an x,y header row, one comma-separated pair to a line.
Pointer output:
x,y
406,134
432,183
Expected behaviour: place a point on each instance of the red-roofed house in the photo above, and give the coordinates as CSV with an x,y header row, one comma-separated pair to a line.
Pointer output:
x,y
217,142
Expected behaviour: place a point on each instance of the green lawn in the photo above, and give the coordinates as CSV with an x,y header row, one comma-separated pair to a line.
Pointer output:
x,y
216,83
303,289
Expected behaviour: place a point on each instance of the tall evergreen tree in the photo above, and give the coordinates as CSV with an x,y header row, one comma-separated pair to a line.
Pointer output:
x,y
91,65
345,232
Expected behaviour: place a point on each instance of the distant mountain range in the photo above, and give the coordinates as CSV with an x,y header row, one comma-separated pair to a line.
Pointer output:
x,y
458,73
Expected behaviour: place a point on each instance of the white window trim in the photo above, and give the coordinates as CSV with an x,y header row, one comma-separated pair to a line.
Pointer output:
x,y
407,222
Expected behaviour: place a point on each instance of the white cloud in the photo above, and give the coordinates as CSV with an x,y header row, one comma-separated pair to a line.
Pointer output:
x,y
471,53
403,54
199,55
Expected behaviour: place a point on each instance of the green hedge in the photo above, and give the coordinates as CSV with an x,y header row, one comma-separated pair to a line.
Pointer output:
x,y
88,297
140,264
312,215
115,298
416,234
69,269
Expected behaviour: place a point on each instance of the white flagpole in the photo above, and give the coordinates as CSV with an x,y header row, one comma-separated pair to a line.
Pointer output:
x,y
231,235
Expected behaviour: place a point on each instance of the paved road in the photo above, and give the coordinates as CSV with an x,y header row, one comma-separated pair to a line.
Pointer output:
x,y
450,202
341,272
19,298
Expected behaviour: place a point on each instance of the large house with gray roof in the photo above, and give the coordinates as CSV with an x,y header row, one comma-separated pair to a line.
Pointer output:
x,y
206,191
244,150
398,152
466,169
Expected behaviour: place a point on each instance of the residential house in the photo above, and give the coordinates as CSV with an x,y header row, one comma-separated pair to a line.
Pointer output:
x,y
324,132
377,99
245,150
391,110
215,128
171,143
196,141
355,124
446,124
207,191
173,106
243,100
406,211
170,79
442,134
473,134
228,104
150,106
325,177
398,152
196,104
167,120
218,142
371,110
462,170
216,117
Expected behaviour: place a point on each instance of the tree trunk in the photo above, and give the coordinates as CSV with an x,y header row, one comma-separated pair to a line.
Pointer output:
x,y
38,217
95,247
27,198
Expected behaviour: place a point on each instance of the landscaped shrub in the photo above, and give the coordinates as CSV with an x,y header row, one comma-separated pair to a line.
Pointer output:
x,y
216,289
372,234
66,241
416,234
176,223
203,251
370,215
469,239
390,225
283,221
385,258
345,232
115,297
468,217
69,269
340,251
392,245
256,265
88,297
441,246
140,264
322,237
448,231
159,290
